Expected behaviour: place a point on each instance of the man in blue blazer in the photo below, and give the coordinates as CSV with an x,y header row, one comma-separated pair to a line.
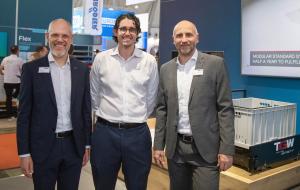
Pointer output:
x,y
54,119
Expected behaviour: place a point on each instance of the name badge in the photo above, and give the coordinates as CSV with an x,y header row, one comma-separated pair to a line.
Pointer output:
x,y
198,72
44,70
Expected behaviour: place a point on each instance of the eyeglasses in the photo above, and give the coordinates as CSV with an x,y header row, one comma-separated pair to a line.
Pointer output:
x,y
123,30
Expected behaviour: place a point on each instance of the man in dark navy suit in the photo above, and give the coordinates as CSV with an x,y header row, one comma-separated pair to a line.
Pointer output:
x,y
54,119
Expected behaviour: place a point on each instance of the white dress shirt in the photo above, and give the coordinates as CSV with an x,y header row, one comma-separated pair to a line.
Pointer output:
x,y
124,90
12,69
61,79
184,81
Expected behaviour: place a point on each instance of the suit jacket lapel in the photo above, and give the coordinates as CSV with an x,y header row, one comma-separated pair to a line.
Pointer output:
x,y
173,81
48,79
74,77
199,65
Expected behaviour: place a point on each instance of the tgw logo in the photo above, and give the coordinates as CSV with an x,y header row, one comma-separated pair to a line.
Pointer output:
x,y
282,145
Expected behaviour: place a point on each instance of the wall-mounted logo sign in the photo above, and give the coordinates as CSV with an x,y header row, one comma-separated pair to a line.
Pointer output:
x,y
285,144
24,39
29,38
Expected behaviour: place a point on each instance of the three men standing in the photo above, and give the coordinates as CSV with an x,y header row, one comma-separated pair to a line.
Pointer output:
x,y
195,117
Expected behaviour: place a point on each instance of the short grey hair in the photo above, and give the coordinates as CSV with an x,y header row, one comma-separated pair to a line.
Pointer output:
x,y
59,19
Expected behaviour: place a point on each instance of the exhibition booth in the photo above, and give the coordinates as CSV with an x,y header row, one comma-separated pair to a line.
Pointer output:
x,y
257,39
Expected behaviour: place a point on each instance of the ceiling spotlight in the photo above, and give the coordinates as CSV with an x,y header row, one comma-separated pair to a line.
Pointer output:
x,y
136,6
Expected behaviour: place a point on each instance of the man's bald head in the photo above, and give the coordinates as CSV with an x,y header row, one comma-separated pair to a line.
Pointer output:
x,y
185,24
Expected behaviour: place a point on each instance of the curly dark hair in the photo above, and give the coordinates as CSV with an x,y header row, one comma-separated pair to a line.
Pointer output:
x,y
129,16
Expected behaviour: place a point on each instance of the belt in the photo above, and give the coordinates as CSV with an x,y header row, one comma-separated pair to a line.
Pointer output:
x,y
186,138
64,134
119,125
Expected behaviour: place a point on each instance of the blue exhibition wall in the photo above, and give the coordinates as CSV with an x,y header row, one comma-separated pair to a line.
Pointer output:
x,y
219,25
3,44
7,20
34,17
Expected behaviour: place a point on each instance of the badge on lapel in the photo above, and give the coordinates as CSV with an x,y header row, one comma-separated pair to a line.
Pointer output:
x,y
44,70
198,72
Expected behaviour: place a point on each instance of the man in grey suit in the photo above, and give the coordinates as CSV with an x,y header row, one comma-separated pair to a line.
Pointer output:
x,y
195,116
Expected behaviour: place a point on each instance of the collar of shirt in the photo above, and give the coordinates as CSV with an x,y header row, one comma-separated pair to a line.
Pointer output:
x,y
52,60
192,60
136,53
